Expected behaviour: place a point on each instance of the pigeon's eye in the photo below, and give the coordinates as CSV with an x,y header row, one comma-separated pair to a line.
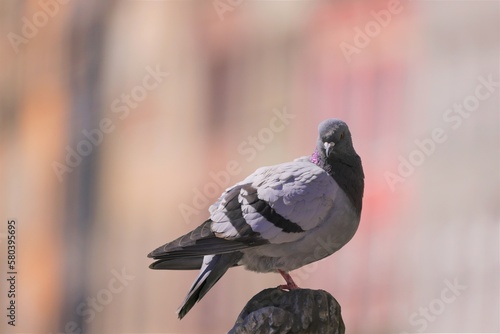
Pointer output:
x,y
342,135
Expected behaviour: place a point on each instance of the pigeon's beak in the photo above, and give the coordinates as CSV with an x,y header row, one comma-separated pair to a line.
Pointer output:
x,y
328,148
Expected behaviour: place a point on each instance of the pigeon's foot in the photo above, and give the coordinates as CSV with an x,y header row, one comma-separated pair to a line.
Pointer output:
x,y
290,284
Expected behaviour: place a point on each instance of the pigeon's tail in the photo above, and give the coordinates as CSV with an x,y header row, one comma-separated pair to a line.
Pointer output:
x,y
213,267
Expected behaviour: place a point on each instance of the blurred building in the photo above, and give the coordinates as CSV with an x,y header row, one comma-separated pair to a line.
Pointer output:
x,y
121,122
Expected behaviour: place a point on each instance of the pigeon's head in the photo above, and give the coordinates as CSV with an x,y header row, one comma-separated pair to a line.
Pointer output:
x,y
336,155
335,141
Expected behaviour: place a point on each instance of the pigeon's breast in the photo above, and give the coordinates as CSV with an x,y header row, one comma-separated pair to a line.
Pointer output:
x,y
325,239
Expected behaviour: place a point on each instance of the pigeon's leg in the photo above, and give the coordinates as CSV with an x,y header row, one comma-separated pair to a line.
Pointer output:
x,y
290,284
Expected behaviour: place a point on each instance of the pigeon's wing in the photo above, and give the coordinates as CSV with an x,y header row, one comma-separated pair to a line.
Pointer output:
x,y
187,251
277,204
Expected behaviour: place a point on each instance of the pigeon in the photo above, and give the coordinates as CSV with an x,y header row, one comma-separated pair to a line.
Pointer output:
x,y
278,219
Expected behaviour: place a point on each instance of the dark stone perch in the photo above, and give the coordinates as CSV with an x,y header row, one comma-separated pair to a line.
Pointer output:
x,y
297,311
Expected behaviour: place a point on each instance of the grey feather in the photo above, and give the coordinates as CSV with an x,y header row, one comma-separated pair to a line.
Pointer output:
x,y
200,242
183,263
214,266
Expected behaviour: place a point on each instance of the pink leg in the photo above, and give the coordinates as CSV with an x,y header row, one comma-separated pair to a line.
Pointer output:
x,y
290,284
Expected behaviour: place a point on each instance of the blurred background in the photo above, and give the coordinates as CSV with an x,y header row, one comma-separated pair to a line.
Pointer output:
x,y
122,121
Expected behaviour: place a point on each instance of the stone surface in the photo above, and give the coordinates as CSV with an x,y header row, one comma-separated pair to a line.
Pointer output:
x,y
297,311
